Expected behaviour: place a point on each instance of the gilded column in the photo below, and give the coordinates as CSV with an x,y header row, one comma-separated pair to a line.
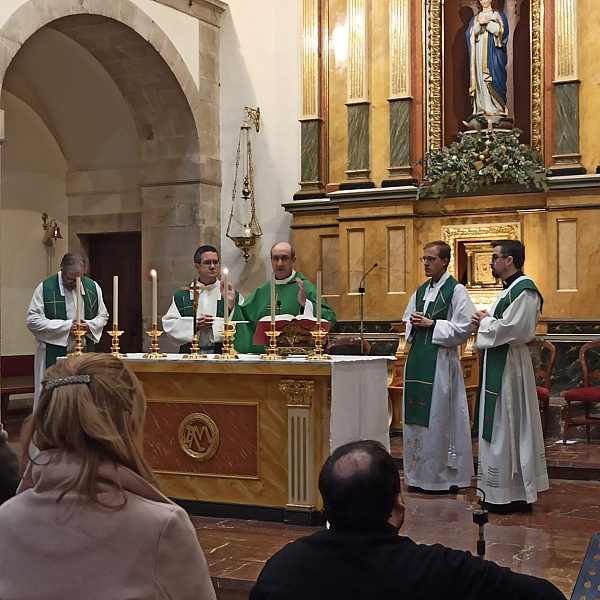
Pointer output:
x,y
400,93
301,474
311,124
566,90
358,104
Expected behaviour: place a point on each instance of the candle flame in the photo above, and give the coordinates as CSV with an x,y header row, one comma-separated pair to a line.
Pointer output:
x,y
153,273
225,271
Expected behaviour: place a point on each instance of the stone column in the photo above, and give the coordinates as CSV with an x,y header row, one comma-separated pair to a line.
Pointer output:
x,y
358,172
400,98
311,123
566,90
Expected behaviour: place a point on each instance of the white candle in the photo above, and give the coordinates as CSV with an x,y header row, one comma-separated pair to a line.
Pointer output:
x,y
78,288
226,295
154,276
272,298
115,300
319,281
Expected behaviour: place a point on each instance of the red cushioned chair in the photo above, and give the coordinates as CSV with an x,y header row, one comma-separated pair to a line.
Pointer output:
x,y
543,371
586,394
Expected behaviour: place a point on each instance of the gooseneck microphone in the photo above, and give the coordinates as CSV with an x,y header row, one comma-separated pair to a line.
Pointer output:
x,y
361,291
480,516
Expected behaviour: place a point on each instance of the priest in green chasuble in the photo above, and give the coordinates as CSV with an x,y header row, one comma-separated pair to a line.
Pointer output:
x,y
295,295
52,315
512,461
437,435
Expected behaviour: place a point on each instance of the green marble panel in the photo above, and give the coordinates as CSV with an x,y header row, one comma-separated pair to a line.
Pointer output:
x,y
358,136
566,117
400,132
310,150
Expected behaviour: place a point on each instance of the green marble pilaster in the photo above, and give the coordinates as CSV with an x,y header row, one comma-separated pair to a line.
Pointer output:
x,y
566,127
310,153
400,133
358,141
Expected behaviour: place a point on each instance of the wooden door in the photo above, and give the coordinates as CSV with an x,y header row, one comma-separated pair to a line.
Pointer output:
x,y
119,254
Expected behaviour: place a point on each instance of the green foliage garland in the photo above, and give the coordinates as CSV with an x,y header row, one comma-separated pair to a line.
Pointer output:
x,y
480,158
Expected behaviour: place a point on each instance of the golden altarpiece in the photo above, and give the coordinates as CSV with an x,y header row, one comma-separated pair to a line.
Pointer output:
x,y
386,81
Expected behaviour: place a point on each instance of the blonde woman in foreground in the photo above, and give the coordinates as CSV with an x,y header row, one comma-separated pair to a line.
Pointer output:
x,y
87,521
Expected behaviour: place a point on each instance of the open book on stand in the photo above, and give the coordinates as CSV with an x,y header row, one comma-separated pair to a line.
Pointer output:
x,y
295,335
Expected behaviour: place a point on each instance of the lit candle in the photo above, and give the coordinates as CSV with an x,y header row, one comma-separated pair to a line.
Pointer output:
x,y
226,295
247,231
273,298
115,300
78,288
319,282
154,276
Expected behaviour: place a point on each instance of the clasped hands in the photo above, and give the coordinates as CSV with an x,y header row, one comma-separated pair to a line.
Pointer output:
x,y
206,321
84,326
478,317
418,319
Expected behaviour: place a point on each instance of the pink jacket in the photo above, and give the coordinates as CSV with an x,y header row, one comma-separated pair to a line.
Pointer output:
x,y
73,550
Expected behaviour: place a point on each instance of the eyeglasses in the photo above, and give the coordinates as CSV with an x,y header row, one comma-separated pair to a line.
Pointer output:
x,y
495,257
210,263
428,259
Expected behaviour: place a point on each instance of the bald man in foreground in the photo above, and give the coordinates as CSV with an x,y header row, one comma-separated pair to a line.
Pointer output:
x,y
362,556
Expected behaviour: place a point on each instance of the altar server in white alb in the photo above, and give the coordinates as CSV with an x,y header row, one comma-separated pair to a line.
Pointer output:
x,y
437,435
52,315
512,461
178,323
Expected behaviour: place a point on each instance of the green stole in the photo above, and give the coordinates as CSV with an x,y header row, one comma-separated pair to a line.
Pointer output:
x,y
185,306
495,359
55,307
422,358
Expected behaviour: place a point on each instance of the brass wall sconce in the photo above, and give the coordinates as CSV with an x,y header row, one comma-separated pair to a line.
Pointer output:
x,y
243,226
51,230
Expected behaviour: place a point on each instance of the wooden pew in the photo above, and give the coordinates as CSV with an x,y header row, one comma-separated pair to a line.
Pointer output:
x,y
16,377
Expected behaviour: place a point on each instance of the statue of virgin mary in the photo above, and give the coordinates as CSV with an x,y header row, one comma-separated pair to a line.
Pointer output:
x,y
487,36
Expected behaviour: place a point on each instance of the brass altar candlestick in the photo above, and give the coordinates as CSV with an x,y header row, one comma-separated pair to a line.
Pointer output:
x,y
114,349
272,351
154,349
317,354
194,354
79,334
228,334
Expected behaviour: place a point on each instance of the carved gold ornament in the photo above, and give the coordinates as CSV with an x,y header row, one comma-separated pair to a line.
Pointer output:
x,y
299,392
199,436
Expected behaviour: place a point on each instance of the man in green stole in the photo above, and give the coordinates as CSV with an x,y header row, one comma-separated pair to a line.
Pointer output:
x,y
52,315
437,438
178,322
512,462
295,295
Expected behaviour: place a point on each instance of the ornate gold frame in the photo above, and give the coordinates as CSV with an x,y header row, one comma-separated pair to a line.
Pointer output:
x,y
433,70
453,234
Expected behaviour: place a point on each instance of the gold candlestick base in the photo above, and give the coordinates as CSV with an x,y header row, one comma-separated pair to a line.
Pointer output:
x,y
317,353
79,335
272,350
228,334
114,349
154,349
194,354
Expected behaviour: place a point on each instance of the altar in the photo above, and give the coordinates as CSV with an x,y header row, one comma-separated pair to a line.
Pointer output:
x,y
246,438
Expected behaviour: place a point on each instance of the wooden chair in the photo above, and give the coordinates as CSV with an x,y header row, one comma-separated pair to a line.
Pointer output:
x,y
348,345
543,372
587,395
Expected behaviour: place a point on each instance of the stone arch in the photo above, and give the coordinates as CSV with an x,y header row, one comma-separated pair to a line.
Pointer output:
x,y
180,205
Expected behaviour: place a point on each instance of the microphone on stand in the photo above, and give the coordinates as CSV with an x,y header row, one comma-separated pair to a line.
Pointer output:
x,y
480,516
361,291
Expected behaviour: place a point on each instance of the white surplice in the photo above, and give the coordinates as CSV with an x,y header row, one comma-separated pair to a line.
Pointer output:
x,y
441,455
181,329
57,331
513,465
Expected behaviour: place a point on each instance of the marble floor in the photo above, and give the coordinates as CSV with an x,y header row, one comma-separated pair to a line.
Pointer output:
x,y
549,543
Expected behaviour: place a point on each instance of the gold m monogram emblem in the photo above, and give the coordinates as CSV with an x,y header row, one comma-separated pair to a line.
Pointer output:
x,y
199,436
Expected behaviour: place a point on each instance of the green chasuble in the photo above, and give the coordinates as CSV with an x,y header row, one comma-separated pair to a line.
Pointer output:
x,y
185,306
495,360
258,306
422,358
55,307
